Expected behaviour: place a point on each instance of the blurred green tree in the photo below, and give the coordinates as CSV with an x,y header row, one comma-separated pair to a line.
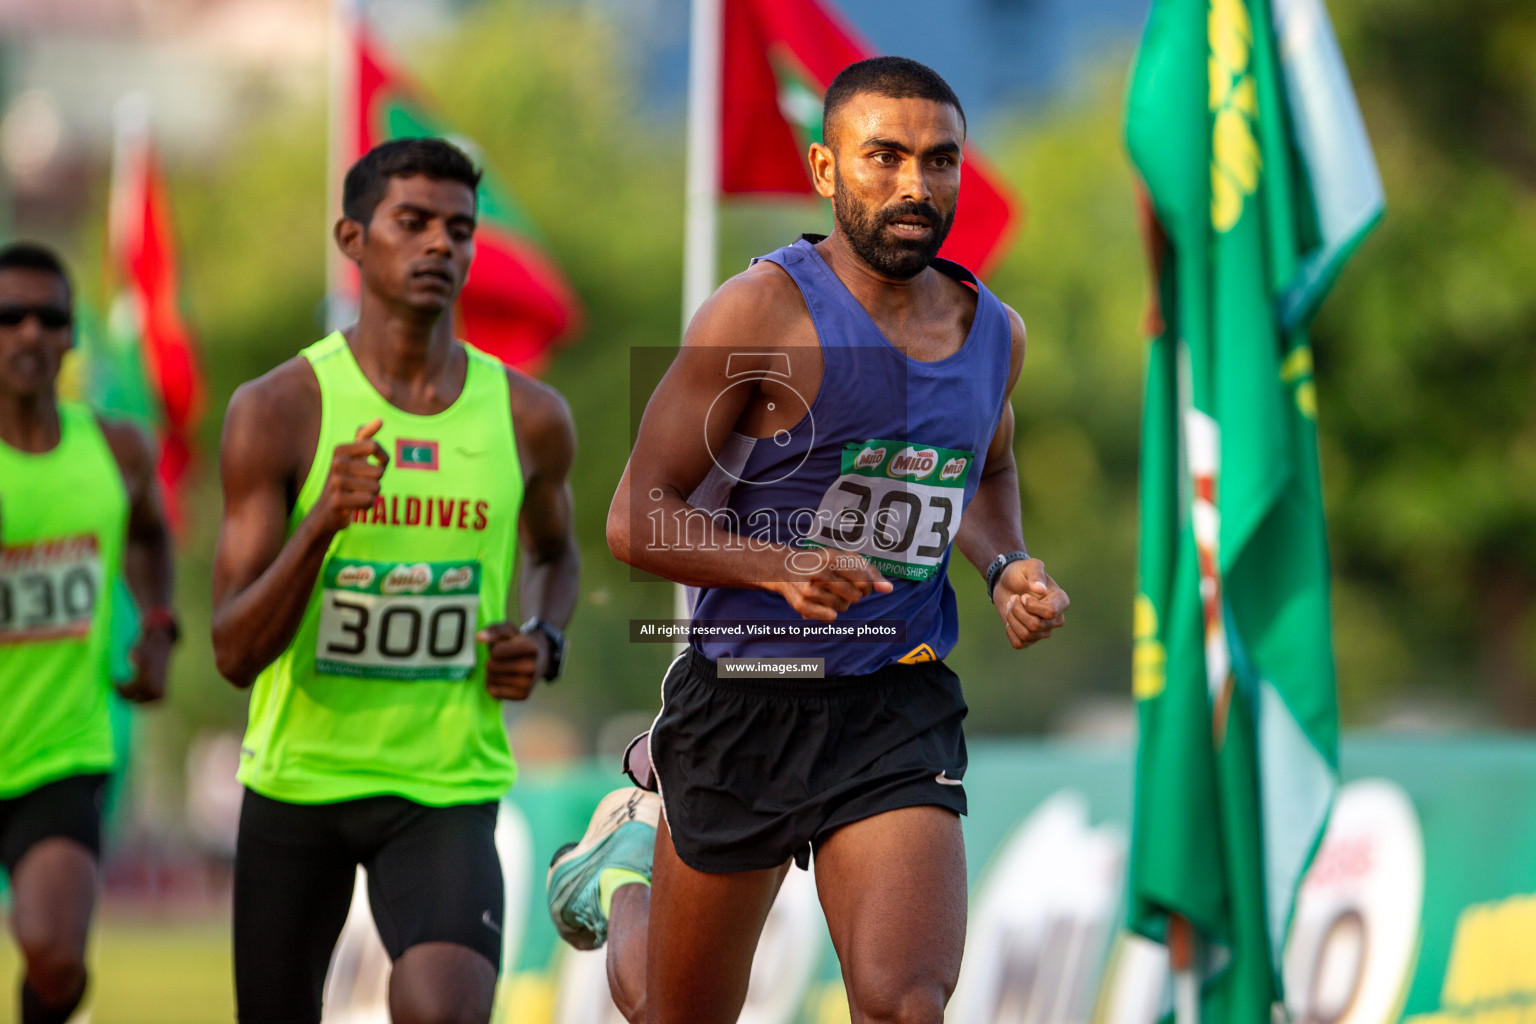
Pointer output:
x,y
1426,361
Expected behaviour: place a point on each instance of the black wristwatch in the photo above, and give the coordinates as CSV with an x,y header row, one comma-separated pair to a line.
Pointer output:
x,y
1000,563
556,645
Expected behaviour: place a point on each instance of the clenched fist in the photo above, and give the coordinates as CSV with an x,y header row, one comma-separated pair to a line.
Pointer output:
x,y
824,581
514,662
353,481
1031,603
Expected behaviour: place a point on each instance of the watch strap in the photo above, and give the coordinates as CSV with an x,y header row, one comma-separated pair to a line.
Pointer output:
x,y
161,618
556,640
1001,562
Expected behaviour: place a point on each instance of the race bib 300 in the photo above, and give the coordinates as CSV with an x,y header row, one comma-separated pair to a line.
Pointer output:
x,y
398,620
49,590
897,503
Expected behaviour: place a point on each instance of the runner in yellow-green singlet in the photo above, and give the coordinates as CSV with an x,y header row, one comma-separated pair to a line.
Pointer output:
x,y
376,487
78,506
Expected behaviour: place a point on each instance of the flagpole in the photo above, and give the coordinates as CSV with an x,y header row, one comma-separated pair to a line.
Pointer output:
x,y
1186,979
700,216
700,234
130,124
343,106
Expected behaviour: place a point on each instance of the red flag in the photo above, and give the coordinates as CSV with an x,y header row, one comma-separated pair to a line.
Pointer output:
x,y
778,57
144,272
516,303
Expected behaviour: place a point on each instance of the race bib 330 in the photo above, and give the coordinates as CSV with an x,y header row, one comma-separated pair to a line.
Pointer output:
x,y
398,620
49,589
897,503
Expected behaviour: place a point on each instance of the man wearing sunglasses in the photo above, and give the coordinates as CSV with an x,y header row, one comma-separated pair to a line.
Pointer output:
x,y
78,507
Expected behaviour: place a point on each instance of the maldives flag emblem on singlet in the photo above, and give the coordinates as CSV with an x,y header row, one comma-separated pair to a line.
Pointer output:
x,y
416,454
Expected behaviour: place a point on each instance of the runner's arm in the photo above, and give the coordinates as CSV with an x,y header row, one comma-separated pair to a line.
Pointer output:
x,y
262,578
147,563
1029,601
546,530
691,414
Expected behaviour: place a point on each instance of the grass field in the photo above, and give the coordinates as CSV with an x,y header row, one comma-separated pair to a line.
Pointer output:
x,y
146,972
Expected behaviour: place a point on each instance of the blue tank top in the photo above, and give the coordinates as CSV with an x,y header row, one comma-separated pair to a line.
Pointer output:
x,y
883,463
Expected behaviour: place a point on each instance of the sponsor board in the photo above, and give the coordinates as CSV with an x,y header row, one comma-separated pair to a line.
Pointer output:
x,y
1033,951
1422,906
1355,934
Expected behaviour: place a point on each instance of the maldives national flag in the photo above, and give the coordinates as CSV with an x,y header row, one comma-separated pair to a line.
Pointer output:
x,y
144,365
778,57
516,302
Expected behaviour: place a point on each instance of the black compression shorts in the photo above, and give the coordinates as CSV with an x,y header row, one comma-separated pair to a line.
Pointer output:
x,y
67,808
756,771
433,876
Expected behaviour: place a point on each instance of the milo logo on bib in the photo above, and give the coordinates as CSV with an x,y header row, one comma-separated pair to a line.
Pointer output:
x,y
48,590
913,463
897,503
398,620
408,579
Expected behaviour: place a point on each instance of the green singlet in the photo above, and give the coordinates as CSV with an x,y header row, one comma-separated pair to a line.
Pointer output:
x,y
65,519
382,690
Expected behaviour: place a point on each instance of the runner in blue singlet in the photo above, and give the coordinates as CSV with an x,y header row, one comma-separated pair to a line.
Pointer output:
x,y
835,422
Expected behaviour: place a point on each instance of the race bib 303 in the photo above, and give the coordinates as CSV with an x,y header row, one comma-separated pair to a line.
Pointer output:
x,y
897,503
398,620
49,590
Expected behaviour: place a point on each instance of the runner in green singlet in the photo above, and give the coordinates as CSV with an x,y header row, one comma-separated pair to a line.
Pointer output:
x,y
376,488
78,506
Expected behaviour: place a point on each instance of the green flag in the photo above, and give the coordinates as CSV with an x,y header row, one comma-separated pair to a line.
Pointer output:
x,y
1237,762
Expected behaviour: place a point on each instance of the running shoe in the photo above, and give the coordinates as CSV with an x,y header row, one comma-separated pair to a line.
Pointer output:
x,y
622,835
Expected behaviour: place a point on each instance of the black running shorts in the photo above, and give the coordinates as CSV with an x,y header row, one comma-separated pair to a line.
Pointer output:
x,y
756,771
433,876
67,808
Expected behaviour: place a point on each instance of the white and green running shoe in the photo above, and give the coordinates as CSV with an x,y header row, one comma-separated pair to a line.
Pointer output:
x,y
618,844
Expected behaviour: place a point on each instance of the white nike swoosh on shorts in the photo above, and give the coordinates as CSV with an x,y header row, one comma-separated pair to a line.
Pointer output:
x,y
944,780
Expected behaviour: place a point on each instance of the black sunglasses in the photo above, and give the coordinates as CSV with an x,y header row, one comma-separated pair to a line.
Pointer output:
x,y
51,317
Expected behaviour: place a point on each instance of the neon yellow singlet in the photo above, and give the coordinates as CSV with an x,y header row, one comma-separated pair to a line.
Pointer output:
x,y
382,690
64,514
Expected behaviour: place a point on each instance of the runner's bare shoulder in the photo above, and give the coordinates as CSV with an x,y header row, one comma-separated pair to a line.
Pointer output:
x,y
1018,341
541,421
130,443
273,422
759,308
